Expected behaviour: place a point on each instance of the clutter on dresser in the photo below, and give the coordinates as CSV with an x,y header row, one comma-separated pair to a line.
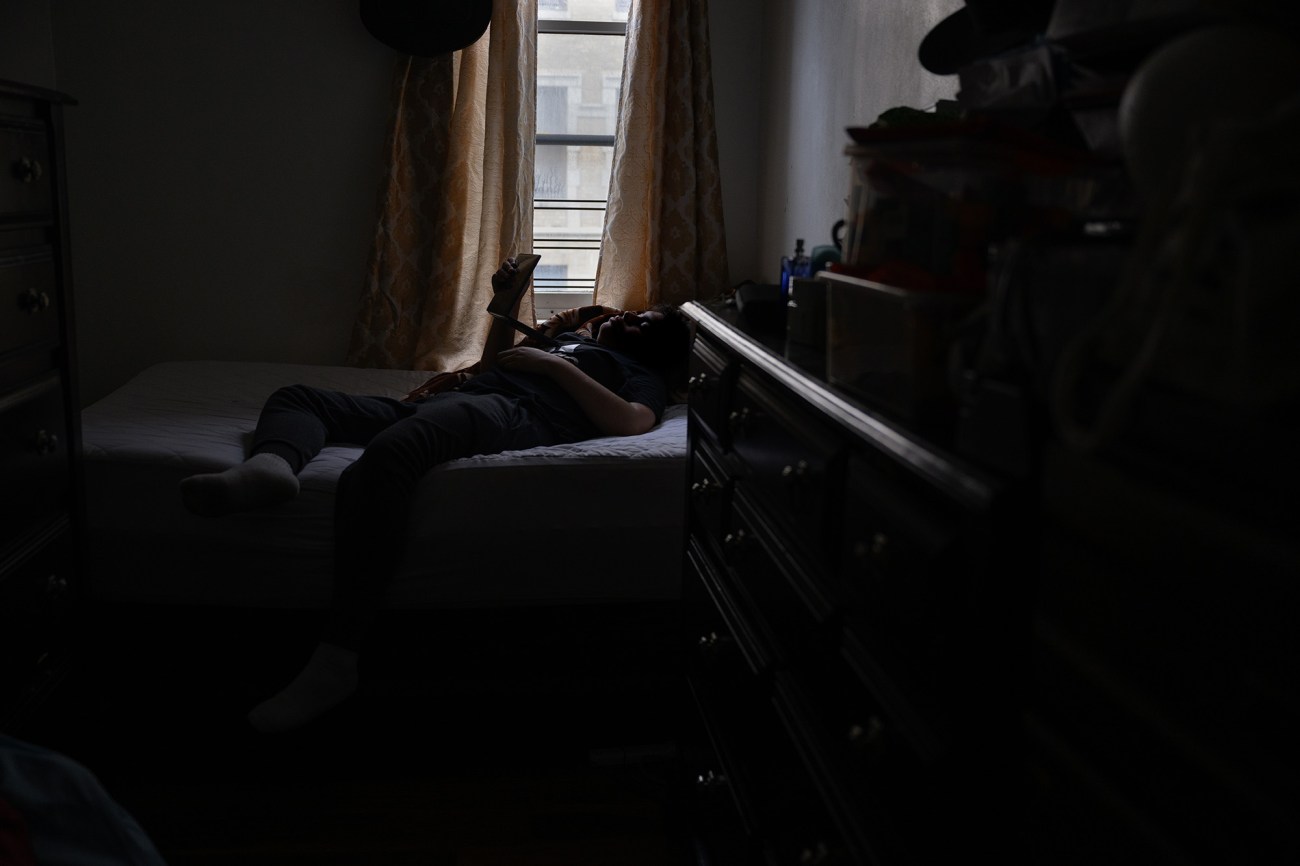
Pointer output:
x,y
925,201
890,347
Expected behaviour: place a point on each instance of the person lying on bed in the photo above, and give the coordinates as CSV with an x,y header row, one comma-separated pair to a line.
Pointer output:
x,y
612,383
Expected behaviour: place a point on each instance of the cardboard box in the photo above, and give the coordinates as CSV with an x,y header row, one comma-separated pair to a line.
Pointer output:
x,y
889,347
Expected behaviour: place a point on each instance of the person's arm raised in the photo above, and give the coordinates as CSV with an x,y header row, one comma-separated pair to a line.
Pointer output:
x,y
500,335
509,285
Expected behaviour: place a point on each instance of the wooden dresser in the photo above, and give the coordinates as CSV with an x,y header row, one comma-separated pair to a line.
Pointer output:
x,y
851,591
39,410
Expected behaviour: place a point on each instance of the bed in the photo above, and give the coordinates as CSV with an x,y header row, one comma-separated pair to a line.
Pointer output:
x,y
474,539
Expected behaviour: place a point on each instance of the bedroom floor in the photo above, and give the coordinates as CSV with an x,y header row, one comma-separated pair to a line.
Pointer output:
x,y
535,758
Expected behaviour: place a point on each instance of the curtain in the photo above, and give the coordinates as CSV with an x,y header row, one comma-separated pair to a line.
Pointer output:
x,y
456,198
663,239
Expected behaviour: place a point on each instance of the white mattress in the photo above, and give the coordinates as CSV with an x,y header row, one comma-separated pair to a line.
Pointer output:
x,y
529,526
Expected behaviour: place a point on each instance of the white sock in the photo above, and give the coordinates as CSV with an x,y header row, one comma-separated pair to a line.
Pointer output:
x,y
329,678
263,479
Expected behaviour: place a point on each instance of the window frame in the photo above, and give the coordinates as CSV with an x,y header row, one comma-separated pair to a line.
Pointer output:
x,y
548,299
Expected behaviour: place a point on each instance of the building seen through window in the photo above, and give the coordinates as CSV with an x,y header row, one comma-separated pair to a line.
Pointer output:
x,y
579,70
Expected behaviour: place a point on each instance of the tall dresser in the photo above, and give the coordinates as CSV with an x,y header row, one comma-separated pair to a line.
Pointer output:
x,y
39,409
849,586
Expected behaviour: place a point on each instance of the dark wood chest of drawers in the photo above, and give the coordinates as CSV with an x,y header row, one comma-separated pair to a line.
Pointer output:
x,y
850,587
39,411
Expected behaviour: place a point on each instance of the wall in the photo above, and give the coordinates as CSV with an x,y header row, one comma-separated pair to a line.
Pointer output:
x,y
224,161
27,43
224,158
736,42
827,66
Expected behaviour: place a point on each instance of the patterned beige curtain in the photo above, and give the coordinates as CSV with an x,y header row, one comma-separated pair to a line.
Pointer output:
x,y
457,198
663,239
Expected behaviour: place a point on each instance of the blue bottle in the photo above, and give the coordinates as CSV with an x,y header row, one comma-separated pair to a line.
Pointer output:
x,y
800,265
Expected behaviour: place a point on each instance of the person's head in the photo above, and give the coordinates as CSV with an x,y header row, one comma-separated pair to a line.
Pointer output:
x,y
658,337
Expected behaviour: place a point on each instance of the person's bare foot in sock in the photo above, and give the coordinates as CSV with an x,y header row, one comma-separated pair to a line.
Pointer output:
x,y
263,479
329,678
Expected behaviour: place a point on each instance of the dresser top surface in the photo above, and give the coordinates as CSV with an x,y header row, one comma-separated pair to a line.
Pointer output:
x,y
28,91
958,478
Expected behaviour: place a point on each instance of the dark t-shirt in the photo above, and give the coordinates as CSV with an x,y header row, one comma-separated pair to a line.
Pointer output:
x,y
619,373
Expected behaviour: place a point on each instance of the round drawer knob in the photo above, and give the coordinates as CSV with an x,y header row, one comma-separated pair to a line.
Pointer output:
x,y
28,170
868,738
739,420
710,781
876,548
33,301
699,382
795,471
704,487
712,644
814,854
46,442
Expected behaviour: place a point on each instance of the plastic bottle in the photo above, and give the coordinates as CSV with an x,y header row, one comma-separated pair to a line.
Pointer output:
x,y
798,265
802,262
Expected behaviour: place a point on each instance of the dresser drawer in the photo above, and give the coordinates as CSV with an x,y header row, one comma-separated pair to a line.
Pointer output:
x,y
851,829
709,493
708,384
887,763
29,311
731,612
760,767
901,555
34,606
34,458
26,188
792,605
789,462
865,728
888,786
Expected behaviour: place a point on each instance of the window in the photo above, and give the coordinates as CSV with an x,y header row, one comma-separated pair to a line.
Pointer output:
x,y
550,274
551,172
579,69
